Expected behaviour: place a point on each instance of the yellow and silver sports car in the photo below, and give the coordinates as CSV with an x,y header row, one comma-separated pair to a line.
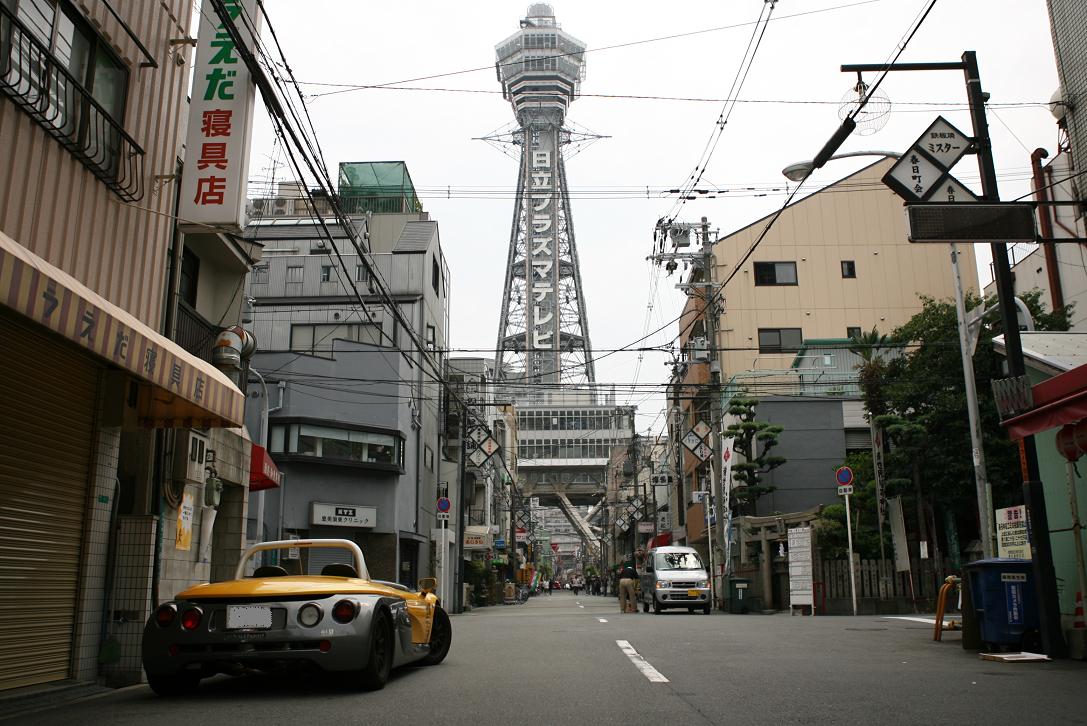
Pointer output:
x,y
340,621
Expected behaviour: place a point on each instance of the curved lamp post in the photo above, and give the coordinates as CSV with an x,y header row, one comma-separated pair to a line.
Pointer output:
x,y
801,170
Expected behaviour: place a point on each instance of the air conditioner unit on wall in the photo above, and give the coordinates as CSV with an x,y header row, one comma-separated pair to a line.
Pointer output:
x,y
190,455
279,206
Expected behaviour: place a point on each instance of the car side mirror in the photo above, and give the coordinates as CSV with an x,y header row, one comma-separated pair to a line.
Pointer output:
x,y
428,585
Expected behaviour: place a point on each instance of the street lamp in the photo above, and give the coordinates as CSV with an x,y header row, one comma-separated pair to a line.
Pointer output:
x,y
801,170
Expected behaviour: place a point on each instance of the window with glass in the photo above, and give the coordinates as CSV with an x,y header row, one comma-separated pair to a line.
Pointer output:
x,y
294,273
360,273
329,442
849,268
853,332
780,340
326,273
775,273
677,561
318,339
85,84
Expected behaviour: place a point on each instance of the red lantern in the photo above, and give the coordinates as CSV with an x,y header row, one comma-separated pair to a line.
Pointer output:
x,y
1069,439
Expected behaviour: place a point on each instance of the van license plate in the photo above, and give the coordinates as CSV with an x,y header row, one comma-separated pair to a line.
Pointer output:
x,y
242,617
693,593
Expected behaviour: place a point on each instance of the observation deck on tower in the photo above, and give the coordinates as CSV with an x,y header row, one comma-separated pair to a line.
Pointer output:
x,y
540,67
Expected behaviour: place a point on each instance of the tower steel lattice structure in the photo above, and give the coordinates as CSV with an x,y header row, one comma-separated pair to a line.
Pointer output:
x,y
543,334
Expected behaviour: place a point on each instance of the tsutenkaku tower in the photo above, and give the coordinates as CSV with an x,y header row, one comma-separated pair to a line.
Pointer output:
x,y
543,335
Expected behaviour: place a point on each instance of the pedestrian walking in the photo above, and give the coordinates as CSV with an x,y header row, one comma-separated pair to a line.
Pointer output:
x,y
627,576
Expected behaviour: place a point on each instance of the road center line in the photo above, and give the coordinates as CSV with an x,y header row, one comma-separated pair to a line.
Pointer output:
x,y
641,663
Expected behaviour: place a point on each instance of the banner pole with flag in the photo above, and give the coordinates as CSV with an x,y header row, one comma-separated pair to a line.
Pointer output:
x,y
727,451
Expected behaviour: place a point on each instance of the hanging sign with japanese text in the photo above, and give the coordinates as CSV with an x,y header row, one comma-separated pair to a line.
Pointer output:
x,y
213,185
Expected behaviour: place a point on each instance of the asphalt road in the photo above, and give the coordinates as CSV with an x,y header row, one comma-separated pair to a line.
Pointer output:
x,y
555,660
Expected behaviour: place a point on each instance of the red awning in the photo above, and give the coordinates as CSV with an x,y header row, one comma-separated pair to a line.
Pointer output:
x,y
661,540
1060,400
263,472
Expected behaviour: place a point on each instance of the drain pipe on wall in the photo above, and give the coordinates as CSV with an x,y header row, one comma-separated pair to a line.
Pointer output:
x,y
1049,249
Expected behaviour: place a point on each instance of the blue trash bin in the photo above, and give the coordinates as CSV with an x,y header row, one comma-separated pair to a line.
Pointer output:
x,y
1003,595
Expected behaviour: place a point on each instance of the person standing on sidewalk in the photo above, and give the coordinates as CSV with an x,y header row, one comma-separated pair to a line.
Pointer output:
x,y
627,576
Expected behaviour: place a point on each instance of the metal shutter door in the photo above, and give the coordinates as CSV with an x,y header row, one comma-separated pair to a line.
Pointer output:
x,y
46,434
858,439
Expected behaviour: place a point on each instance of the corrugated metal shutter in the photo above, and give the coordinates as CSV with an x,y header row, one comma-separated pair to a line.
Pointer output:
x,y
46,435
858,439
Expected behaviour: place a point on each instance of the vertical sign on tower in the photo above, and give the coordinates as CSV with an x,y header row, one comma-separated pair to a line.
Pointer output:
x,y
542,248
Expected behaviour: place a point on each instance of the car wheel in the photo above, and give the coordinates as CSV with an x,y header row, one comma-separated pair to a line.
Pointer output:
x,y
706,610
180,684
375,674
441,637
645,605
657,606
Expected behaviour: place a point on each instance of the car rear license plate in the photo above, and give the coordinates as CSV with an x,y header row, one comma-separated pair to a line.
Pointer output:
x,y
693,593
243,617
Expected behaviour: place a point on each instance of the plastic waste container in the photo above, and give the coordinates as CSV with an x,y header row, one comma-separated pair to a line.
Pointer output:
x,y
738,594
1003,596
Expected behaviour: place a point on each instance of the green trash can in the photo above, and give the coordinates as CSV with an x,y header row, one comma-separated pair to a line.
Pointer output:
x,y
738,594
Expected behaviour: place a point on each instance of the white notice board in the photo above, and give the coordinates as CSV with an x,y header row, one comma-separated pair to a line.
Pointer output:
x,y
800,579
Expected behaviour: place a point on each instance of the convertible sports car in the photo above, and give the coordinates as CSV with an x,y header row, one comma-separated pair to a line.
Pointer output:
x,y
340,622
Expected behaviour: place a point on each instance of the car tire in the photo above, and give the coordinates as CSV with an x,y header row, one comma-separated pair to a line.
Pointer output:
x,y
375,674
441,637
645,605
657,606
180,684
706,610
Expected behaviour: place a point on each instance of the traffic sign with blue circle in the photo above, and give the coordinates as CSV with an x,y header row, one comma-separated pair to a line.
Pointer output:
x,y
444,504
844,475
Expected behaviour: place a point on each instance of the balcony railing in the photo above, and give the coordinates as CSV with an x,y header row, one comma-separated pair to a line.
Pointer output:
x,y
194,333
32,78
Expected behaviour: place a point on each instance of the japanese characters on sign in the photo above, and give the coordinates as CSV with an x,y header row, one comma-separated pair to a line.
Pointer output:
x,y
542,259
343,515
1012,534
921,174
213,186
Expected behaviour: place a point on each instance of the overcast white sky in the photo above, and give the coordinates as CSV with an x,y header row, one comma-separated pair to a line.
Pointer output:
x,y
468,186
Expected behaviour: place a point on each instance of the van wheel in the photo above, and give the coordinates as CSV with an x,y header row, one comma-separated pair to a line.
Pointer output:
x,y
656,607
706,610
645,605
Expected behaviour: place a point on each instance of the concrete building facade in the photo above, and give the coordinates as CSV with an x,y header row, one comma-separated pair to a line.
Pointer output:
x,y
356,419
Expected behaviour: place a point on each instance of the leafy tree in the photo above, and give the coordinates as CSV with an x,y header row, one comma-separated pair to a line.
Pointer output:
x,y
926,400
754,440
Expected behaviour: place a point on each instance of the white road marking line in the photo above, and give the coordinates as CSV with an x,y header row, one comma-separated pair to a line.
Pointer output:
x,y
928,621
602,620
581,606
641,663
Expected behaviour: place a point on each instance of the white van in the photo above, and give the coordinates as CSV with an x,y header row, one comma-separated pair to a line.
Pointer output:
x,y
674,577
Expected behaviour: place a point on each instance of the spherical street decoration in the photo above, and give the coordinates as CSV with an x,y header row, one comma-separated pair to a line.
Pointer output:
x,y
875,114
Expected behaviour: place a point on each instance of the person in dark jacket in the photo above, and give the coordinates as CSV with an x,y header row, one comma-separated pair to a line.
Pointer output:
x,y
627,576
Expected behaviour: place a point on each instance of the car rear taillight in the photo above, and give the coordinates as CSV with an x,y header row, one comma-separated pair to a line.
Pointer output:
x,y
165,615
344,611
190,619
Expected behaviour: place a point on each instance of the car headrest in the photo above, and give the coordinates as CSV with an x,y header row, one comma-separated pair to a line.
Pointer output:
x,y
339,569
269,571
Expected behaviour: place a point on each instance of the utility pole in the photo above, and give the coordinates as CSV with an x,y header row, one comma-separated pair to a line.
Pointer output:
x,y
1033,494
708,287
710,316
